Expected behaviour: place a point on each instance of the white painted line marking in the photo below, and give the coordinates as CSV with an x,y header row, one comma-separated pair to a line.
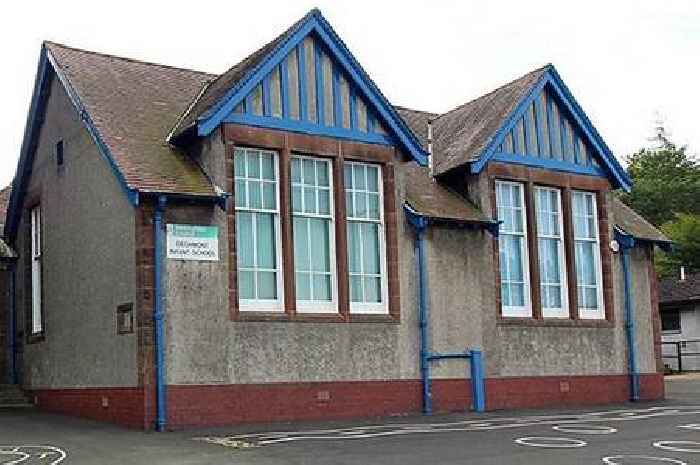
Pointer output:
x,y
584,429
620,459
25,453
550,442
692,447
693,426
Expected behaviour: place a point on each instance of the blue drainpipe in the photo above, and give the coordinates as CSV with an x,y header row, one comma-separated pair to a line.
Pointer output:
x,y
423,309
626,243
158,315
474,356
12,336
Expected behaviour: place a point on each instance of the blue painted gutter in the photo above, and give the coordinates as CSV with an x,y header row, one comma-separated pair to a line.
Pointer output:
x,y
159,314
627,242
474,356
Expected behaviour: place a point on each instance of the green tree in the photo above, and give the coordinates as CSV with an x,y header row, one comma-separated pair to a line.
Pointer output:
x,y
684,231
666,181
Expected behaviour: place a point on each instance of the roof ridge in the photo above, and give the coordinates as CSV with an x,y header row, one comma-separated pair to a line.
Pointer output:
x,y
131,60
459,107
425,112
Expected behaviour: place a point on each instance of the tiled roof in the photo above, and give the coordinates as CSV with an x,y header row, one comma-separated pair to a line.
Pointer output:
x,y
673,290
134,105
462,134
222,84
417,122
430,198
634,224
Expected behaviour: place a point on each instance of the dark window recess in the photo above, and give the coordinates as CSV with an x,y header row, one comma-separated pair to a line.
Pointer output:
x,y
125,318
59,153
671,320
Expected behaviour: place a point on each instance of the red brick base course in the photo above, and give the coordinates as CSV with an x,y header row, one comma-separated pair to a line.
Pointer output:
x,y
218,405
124,406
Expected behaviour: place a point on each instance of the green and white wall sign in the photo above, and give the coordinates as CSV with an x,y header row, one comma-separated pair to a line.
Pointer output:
x,y
193,242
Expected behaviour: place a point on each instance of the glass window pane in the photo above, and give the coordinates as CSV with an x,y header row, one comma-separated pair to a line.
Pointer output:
x,y
373,206
296,199
322,173
517,294
301,244
370,245
269,197
268,166
348,176
320,251
253,162
296,170
246,285
372,179
373,291
324,202
349,206
309,200
359,177
302,286
360,205
254,194
354,247
322,287
266,240
309,171
356,292
244,239
267,285
240,193
239,163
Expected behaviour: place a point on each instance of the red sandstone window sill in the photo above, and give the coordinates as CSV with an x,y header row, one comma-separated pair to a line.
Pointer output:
x,y
251,316
555,322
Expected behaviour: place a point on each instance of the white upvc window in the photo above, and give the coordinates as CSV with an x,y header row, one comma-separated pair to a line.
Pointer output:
x,y
550,247
589,275
366,245
314,235
258,236
37,317
513,253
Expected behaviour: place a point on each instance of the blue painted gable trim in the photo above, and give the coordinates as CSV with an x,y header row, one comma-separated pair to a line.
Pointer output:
x,y
316,23
47,70
550,77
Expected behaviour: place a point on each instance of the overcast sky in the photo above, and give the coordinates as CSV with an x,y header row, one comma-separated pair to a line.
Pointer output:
x,y
624,61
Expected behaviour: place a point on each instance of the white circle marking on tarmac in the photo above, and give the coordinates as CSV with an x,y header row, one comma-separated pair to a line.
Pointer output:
x,y
550,442
694,426
619,459
679,446
584,429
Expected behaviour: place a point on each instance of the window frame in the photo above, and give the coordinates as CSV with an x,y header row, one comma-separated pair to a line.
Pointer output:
x,y
563,311
525,311
336,150
371,308
264,305
599,312
311,306
671,311
36,243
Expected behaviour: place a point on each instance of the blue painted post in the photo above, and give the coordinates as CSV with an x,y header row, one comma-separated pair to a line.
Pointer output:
x,y
423,318
158,315
478,381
